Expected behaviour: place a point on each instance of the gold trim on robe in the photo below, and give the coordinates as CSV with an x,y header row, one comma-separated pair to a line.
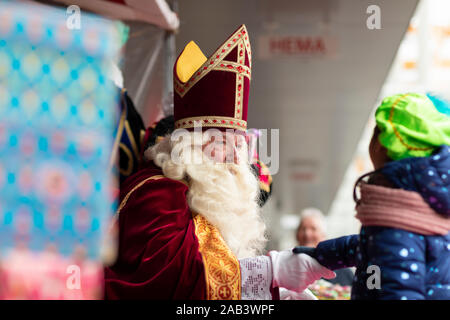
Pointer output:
x,y
222,270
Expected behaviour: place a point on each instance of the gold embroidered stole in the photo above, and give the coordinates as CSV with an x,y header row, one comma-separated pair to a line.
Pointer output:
x,y
222,271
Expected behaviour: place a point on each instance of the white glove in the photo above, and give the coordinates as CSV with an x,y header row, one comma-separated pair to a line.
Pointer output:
x,y
296,271
286,294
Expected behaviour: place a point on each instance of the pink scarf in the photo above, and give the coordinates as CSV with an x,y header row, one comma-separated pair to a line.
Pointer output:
x,y
396,208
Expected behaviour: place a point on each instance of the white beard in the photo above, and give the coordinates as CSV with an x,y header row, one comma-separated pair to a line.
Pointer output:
x,y
225,194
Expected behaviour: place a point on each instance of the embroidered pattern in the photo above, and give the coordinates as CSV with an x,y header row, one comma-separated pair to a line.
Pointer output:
x,y
239,93
237,68
222,271
256,275
208,121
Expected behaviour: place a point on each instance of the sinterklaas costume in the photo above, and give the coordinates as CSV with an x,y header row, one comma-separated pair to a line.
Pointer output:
x,y
166,251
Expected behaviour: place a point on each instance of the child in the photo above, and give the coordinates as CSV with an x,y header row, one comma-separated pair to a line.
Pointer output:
x,y
404,207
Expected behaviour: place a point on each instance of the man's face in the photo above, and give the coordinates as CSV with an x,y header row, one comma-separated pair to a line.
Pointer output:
x,y
310,232
225,148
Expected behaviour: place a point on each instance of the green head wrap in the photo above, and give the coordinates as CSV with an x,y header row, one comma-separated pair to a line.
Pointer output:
x,y
411,126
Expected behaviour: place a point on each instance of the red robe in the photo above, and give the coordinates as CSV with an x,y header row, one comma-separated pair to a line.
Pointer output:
x,y
165,252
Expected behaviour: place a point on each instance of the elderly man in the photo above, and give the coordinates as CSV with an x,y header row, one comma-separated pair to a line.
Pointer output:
x,y
189,222
312,227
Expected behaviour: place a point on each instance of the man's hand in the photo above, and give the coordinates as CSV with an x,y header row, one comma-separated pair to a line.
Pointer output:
x,y
296,271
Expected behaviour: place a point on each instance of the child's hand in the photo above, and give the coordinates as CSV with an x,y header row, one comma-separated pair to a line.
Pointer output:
x,y
306,250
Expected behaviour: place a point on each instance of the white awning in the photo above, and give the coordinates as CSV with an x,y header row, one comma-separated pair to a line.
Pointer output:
x,y
155,12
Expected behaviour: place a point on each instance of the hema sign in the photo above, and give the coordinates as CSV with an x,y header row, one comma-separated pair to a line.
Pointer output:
x,y
283,46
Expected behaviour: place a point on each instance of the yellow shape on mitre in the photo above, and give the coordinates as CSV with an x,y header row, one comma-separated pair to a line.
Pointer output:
x,y
189,61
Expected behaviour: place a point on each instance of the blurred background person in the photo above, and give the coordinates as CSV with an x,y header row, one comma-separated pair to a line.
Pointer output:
x,y
312,227
312,230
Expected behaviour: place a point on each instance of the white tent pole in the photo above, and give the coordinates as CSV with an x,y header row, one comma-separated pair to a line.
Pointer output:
x,y
169,60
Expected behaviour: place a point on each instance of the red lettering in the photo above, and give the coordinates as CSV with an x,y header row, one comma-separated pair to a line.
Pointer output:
x,y
304,45
320,45
273,45
297,45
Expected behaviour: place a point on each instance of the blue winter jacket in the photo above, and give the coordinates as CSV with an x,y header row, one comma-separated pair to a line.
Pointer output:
x,y
411,265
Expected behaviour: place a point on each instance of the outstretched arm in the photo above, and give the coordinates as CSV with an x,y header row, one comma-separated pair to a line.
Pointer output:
x,y
334,253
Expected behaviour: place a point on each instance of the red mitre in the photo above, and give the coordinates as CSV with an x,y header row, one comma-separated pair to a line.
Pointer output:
x,y
214,91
